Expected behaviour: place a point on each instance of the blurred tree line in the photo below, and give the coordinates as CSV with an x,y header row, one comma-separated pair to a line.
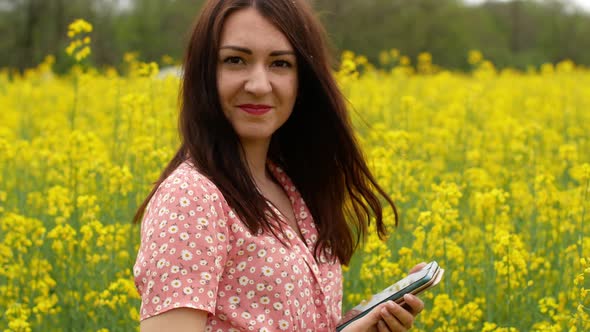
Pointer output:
x,y
516,33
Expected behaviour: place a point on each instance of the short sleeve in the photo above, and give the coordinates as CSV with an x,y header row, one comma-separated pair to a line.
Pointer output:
x,y
183,245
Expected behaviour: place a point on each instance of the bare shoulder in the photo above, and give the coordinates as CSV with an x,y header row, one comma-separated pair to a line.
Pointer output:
x,y
178,320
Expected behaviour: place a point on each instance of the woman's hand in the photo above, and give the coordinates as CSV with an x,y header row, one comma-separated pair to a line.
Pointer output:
x,y
389,316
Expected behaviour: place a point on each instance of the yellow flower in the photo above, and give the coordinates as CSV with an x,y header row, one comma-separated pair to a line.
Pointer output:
x,y
394,53
167,60
148,69
79,26
78,48
384,58
474,57
425,57
490,173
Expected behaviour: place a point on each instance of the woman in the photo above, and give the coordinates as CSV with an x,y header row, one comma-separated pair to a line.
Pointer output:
x,y
246,229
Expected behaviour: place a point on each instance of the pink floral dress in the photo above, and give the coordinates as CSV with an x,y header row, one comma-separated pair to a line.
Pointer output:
x,y
196,253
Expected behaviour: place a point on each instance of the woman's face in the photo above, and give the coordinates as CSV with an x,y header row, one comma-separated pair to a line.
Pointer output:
x,y
256,76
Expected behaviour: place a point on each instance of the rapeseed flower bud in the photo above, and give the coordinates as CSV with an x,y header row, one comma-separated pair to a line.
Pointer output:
x,y
79,26
384,58
394,53
474,57
148,69
79,47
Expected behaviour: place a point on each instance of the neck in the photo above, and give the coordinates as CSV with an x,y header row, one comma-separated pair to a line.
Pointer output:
x,y
256,153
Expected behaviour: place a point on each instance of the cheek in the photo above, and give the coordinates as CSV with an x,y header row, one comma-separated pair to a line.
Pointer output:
x,y
219,84
227,85
290,89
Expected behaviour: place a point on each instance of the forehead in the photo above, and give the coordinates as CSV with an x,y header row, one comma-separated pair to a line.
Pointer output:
x,y
248,28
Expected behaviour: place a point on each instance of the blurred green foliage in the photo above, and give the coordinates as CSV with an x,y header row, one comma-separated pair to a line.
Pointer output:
x,y
518,34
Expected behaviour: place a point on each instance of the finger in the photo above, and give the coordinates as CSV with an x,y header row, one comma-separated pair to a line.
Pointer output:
x,y
418,267
370,321
401,317
413,304
392,323
381,327
349,315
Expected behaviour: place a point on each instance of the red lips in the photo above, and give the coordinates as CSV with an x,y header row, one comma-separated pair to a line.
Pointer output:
x,y
255,109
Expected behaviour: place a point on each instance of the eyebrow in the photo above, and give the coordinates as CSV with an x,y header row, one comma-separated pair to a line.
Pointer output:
x,y
248,51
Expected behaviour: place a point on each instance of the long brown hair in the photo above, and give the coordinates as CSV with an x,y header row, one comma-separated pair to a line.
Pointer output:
x,y
316,146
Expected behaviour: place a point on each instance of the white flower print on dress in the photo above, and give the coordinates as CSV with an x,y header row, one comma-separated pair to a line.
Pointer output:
x,y
186,255
289,287
203,221
244,280
184,202
241,266
283,325
251,247
136,271
206,276
167,302
267,271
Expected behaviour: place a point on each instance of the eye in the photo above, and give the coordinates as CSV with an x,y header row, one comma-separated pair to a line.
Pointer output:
x,y
282,64
233,60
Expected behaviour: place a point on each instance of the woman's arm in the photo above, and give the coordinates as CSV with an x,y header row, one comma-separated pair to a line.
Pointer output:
x,y
177,320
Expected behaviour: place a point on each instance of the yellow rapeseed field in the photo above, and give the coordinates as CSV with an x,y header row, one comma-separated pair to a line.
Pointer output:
x,y
490,171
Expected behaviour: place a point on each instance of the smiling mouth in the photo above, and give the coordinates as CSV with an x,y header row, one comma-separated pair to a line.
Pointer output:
x,y
255,109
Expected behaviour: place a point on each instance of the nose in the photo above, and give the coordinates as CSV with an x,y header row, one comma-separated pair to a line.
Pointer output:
x,y
258,82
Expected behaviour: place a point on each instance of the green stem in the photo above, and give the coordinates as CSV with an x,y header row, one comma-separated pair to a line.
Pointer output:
x,y
581,236
75,106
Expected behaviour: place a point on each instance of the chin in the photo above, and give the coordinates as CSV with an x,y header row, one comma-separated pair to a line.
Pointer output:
x,y
254,133
254,136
